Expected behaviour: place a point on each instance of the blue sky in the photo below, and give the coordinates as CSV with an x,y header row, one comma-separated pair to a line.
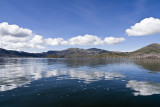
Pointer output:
x,y
70,18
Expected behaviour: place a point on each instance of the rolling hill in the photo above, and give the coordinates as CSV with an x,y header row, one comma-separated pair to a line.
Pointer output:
x,y
150,51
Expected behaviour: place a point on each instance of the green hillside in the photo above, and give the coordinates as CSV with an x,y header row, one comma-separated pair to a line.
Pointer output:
x,y
150,49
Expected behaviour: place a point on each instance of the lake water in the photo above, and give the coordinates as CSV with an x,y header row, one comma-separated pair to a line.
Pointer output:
x,y
31,82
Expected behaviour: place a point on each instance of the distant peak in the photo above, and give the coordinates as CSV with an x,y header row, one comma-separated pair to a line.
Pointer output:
x,y
72,49
94,49
154,44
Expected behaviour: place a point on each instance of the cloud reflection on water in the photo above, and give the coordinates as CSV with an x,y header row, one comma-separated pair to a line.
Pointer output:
x,y
17,75
143,88
86,76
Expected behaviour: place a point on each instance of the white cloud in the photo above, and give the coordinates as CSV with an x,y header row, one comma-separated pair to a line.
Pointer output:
x,y
13,30
35,42
14,43
37,39
20,43
78,40
147,26
55,41
12,39
15,38
84,40
114,40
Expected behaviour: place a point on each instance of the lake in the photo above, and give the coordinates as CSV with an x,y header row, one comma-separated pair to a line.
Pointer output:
x,y
85,82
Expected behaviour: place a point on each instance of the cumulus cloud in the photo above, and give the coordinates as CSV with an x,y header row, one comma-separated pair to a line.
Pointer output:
x,y
19,43
113,40
14,37
35,42
147,26
13,30
78,40
84,40
55,41
37,39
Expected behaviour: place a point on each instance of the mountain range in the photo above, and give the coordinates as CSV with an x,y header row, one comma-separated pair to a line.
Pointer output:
x,y
150,51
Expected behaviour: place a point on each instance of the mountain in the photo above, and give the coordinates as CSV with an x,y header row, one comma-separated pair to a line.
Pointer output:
x,y
10,53
76,52
97,51
150,51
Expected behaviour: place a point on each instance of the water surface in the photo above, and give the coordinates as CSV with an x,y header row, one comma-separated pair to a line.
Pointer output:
x,y
38,82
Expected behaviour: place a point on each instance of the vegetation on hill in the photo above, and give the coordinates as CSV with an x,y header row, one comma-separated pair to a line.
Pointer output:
x,y
113,55
150,49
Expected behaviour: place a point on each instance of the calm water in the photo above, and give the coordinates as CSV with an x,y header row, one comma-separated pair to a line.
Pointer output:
x,y
79,82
